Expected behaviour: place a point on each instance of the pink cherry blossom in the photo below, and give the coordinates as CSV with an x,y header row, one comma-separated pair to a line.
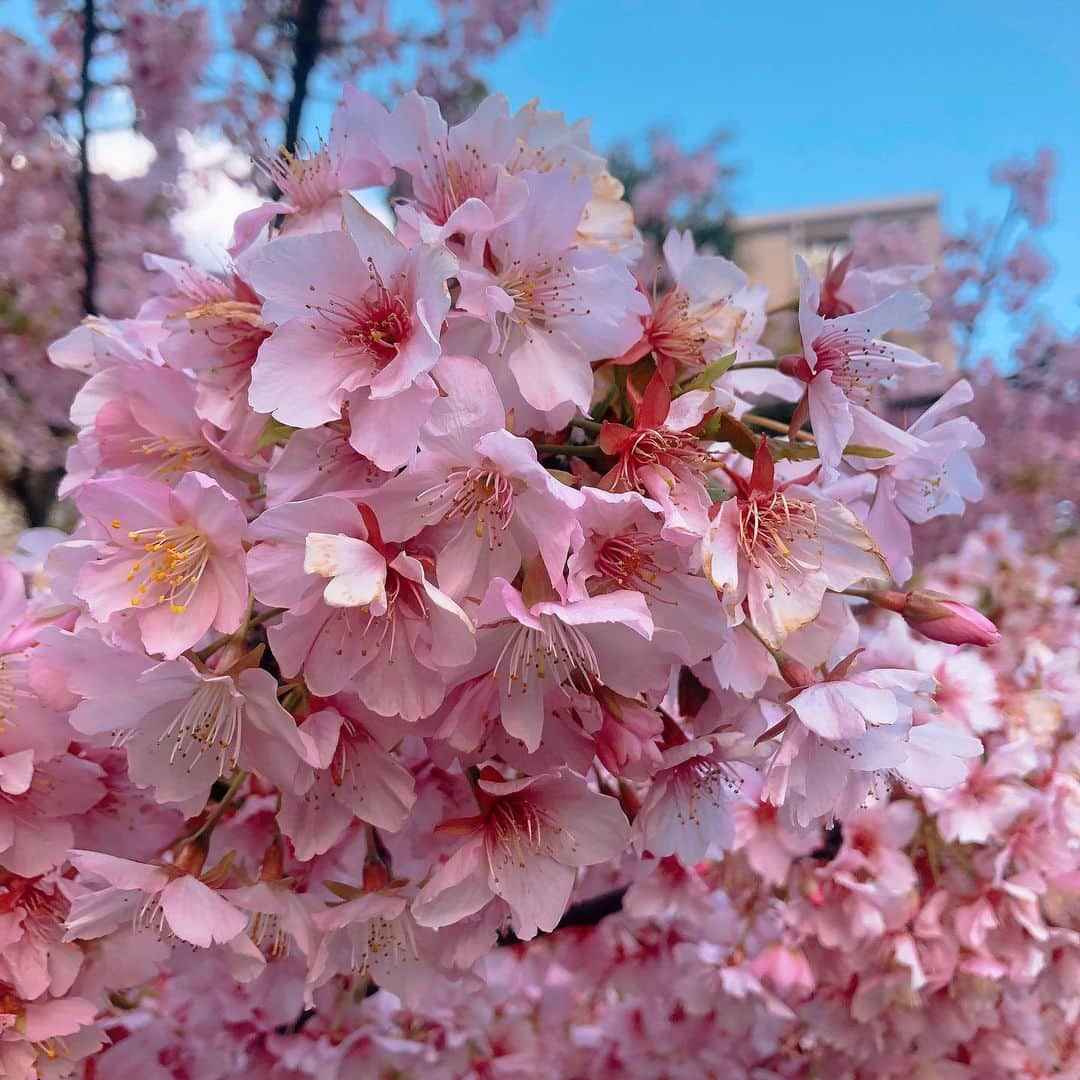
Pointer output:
x,y
354,777
165,898
662,457
374,934
459,179
213,327
170,558
938,477
142,419
621,545
192,727
711,311
779,547
553,309
367,317
483,486
358,605
688,809
319,461
531,649
843,359
523,847
36,799
314,185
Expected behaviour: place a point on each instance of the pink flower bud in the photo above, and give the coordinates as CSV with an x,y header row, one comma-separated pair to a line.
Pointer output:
x,y
951,622
938,617
794,672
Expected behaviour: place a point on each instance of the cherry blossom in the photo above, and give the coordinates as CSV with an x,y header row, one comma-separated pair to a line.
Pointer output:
x,y
523,847
357,605
169,558
844,359
779,547
553,309
456,654
367,320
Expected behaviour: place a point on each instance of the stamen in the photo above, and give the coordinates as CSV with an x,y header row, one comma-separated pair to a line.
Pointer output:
x,y
855,362
780,535
658,448
473,492
176,455
177,558
568,651
629,561
308,181
211,721
376,325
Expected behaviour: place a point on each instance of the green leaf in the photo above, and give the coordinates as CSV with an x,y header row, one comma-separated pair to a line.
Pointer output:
x,y
275,434
723,427
707,376
783,450
858,450
717,492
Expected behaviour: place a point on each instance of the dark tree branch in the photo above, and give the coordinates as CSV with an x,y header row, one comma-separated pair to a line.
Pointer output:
x,y
35,491
584,913
86,210
832,842
306,47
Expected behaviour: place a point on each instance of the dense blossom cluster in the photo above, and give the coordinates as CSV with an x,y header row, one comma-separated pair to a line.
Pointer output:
x,y
931,934
42,260
1034,483
94,81
994,271
431,581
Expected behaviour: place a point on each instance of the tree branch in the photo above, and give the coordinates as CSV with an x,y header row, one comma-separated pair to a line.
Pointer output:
x,y
306,47
86,211
584,913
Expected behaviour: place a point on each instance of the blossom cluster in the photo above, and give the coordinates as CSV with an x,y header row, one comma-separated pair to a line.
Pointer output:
x,y
931,934
148,74
994,270
431,577
46,281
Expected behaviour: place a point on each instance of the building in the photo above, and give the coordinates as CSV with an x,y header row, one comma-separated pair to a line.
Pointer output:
x,y
766,245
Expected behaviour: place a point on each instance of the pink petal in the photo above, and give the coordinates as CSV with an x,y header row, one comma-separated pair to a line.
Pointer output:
x,y
197,914
123,873
457,889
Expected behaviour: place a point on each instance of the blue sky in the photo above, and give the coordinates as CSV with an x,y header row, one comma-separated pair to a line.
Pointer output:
x,y
826,102
829,102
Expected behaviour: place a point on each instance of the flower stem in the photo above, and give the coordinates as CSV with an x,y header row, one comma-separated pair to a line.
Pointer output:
x,y
249,624
591,426
210,823
775,425
569,450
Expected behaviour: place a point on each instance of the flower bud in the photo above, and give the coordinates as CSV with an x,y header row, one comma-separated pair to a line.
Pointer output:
x,y
192,856
949,621
794,672
376,875
273,860
938,617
